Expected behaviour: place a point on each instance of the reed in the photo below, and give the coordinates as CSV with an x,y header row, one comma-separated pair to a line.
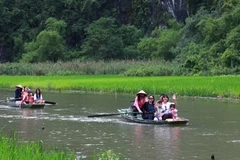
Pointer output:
x,y
123,67
12,148
222,86
156,67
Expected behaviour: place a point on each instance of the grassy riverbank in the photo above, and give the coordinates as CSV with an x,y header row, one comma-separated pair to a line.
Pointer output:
x,y
13,149
224,86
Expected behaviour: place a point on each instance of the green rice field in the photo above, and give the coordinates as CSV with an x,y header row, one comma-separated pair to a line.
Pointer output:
x,y
212,86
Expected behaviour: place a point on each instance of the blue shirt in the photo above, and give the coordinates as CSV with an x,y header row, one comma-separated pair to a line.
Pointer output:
x,y
18,93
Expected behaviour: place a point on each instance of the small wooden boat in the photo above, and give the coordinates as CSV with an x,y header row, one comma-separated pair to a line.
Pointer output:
x,y
12,102
128,116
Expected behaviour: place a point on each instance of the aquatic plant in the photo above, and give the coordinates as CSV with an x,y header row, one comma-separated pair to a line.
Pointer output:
x,y
107,155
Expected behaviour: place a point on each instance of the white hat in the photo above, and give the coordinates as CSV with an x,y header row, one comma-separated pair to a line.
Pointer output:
x,y
19,86
141,92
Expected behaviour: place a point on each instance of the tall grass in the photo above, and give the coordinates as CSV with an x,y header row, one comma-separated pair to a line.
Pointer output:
x,y
12,149
124,67
225,86
113,67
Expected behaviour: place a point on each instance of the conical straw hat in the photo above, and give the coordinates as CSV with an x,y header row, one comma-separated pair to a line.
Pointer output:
x,y
141,92
19,86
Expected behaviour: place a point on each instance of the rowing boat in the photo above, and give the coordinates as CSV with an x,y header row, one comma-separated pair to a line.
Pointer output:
x,y
128,116
12,102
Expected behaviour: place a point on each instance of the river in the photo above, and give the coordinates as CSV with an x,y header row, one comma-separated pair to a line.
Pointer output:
x,y
214,127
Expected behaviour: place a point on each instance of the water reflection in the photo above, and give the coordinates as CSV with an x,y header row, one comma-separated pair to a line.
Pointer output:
x,y
158,142
30,123
167,141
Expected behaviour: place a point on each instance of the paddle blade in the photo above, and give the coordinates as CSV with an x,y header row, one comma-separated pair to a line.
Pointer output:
x,y
104,115
48,102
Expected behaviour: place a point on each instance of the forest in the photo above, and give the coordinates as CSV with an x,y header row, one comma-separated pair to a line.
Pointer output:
x,y
200,36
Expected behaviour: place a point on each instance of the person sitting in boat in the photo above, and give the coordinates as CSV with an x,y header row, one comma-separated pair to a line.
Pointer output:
x,y
148,113
38,98
166,106
29,99
140,102
18,92
174,111
159,111
25,92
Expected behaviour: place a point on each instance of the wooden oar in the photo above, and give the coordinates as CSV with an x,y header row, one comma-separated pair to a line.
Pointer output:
x,y
2,101
48,102
104,115
112,114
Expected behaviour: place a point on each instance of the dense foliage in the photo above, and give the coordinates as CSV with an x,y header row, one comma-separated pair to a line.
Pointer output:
x,y
206,42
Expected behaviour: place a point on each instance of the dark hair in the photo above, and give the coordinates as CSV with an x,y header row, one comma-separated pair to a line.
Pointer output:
x,y
172,106
39,90
140,96
20,89
159,102
38,94
165,96
152,97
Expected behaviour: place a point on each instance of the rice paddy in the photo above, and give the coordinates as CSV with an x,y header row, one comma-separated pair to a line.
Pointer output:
x,y
212,86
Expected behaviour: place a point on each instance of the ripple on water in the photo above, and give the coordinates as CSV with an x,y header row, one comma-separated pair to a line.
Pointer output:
x,y
230,122
208,134
4,107
54,117
234,141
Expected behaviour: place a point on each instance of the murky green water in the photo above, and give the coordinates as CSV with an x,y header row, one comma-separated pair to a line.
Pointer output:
x,y
214,128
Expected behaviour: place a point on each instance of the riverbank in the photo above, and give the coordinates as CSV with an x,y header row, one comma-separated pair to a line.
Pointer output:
x,y
12,148
215,86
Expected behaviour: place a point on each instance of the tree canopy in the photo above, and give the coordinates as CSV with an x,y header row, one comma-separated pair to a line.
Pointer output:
x,y
205,42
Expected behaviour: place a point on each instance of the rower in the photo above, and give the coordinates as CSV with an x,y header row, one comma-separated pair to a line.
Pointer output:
x,y
18,92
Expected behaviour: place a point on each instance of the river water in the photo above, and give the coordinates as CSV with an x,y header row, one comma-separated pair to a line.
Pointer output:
x,y
214,127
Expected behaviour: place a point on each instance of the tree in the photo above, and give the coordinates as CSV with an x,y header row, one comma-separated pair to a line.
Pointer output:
x,y
130,37
59,26
49,44
103,40
161,42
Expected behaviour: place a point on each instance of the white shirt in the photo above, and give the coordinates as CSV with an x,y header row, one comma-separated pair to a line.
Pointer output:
x,y
159,113
166,107
35,97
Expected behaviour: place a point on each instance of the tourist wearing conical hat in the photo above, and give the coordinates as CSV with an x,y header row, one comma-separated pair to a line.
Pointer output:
x,y
18,91
140,102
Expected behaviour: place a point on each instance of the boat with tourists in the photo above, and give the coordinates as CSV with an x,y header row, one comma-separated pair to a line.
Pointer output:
x,y
127,115
12,102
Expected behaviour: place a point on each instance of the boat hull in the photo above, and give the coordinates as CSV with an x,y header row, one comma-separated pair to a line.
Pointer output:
x,y
17,103
126,115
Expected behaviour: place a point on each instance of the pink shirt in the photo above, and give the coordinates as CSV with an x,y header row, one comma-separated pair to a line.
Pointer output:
x,y
174,113
139,103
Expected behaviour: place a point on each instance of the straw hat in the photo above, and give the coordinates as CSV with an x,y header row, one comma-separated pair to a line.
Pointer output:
x,y
142,92
19,86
